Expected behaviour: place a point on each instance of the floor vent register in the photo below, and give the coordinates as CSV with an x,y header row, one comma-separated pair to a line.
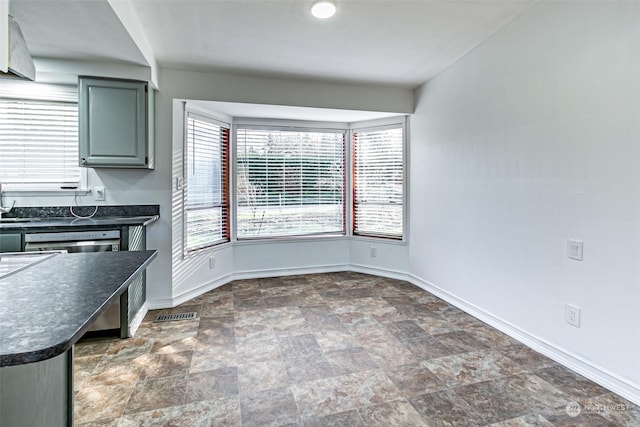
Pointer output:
x,y
175,316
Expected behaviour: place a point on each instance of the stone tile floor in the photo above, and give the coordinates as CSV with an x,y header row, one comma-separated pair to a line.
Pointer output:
x,y
335,349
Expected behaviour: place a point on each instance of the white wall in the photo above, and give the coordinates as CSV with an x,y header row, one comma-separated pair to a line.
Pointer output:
x,y
303,93
392,258
274,258
529,140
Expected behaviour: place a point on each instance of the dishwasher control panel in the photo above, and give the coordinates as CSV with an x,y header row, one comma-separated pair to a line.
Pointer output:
x,y
71,236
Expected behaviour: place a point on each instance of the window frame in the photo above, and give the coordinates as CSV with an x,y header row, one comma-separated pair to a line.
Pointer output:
x,y
294,126
225,185
48,93
378,125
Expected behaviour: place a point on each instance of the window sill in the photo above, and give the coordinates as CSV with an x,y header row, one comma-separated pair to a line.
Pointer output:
x,y
380,240
288,239
207,250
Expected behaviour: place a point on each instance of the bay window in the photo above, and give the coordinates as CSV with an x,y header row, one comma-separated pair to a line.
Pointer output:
x,y
291,180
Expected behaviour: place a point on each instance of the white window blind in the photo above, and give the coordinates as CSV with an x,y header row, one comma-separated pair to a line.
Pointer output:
x,y
207,183
39,142
378,182
289,182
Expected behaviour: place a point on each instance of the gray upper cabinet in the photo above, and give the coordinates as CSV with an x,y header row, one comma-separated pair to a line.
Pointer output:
x,y
115,119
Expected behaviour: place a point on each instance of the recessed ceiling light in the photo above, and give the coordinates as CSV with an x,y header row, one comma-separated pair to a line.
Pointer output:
x,y
323,9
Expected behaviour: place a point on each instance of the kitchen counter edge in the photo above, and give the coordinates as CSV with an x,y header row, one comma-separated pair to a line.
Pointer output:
x,y
36,355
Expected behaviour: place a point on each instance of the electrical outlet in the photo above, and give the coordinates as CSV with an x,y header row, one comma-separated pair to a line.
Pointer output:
x,y
373,251
572,315
212,262
98,193
574,249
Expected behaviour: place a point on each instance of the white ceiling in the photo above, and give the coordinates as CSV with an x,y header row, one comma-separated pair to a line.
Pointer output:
x,y
393,42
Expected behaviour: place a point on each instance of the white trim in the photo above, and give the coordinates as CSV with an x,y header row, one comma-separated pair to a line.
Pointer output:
x,y
163,303
595,373
227,278
196,292
207,250
374,239
137,319
277,272
391,274
242,275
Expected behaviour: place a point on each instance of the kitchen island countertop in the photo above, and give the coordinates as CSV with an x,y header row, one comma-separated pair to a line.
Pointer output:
x,y
47,307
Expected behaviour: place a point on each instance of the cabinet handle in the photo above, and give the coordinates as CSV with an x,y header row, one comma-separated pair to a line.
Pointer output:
x,y
83,160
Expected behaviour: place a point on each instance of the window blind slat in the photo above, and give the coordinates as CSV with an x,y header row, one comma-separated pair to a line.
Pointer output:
x,y
378,182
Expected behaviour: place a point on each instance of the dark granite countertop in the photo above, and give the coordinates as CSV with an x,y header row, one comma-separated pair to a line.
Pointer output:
x,y
34,218
41,223
47,307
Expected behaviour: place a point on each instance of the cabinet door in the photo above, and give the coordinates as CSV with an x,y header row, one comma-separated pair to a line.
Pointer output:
x,y
113,123
10,243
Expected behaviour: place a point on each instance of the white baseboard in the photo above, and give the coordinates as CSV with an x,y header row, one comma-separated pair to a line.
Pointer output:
x,y
391,274
159,304
242,275
583,367
276,272
203,289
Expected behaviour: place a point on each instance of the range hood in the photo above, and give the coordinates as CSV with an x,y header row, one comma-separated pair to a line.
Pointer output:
x,y
20,64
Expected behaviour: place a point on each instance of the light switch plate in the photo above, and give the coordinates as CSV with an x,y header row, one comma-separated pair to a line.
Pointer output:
x,y
574,249
179,183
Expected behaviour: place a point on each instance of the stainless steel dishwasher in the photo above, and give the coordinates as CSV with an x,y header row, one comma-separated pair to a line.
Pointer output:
x,y
81,241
